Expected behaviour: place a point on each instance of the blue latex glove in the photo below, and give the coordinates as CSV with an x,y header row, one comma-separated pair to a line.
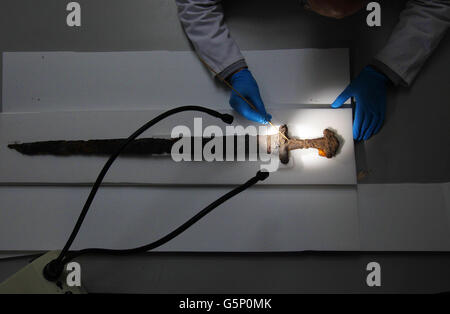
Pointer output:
x,y
246,85
369,90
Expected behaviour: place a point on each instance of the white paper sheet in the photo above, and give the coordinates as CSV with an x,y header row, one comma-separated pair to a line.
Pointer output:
x,y
260,219
58,81
308,168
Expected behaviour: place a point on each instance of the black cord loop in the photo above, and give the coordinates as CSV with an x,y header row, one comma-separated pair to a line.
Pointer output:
x,y
53,269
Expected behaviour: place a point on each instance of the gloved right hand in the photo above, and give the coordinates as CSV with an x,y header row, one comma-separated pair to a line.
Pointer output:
x,y
246,85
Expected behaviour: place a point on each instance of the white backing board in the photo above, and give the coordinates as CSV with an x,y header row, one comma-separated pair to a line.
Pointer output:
x,y
59,81
261,218
308,167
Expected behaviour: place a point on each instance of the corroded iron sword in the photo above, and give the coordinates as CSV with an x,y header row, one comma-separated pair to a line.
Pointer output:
x,y
326,145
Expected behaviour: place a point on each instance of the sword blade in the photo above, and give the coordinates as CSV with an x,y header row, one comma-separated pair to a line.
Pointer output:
x,y
138,147
144,146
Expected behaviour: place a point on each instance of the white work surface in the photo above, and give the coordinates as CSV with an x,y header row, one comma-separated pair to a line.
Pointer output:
x,y
270,217
260,219
288,217
57,81
388,217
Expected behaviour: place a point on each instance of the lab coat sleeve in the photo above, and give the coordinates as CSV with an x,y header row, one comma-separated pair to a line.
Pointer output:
x,y
422,25
203,22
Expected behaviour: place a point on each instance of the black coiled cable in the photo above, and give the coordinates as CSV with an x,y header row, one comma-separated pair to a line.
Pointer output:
x,y
53,269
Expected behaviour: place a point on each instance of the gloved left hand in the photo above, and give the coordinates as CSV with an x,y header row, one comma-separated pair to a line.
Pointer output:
x,y
369,90
245,84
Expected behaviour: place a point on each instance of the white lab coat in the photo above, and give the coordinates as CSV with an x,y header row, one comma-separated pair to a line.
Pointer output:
x,y
422,25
